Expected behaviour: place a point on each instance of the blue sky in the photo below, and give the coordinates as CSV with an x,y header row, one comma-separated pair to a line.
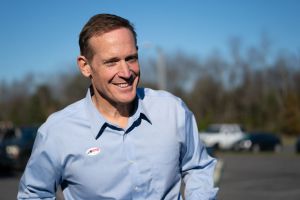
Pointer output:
x,y
41,36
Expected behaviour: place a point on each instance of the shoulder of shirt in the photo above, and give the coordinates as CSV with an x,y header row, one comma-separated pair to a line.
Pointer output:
x,y
58,118
147,94
151,93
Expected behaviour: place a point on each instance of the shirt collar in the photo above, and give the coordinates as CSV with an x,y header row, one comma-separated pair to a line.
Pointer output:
x,y
140,112
99,123
96,119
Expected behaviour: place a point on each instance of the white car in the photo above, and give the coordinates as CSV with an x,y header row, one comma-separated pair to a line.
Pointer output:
x,y
222,136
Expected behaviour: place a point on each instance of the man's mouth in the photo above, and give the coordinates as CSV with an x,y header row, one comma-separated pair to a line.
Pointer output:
x,y
123,85
126,83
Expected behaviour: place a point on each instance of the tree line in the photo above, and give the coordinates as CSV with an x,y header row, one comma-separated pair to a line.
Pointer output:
x,y
247,86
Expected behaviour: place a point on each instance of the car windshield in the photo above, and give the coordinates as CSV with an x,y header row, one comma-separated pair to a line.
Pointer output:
x,y
213,129
23,133
9,134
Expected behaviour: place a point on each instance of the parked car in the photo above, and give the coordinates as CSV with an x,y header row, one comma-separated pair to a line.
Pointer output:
x,y
259,141
298,145
222,136
16,146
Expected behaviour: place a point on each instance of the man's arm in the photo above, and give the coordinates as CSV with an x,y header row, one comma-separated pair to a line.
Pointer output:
x,y
197,166
42,175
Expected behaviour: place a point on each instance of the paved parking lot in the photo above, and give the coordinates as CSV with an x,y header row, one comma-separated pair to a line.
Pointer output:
x,y
245,176
260,176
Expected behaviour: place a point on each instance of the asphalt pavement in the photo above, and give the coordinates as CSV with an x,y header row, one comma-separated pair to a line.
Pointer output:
x,y
260,176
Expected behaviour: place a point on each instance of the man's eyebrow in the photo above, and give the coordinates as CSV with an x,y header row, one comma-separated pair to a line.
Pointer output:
x,y
116,59
135,55
113,59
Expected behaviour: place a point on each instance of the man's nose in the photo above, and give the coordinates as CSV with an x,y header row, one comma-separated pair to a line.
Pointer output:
x,y
124,70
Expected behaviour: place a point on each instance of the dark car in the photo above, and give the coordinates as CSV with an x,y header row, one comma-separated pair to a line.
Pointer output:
x,y
16,146
298,145
211,151
259,141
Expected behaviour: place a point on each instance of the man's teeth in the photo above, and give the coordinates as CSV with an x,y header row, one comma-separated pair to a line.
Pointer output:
x,y
123,85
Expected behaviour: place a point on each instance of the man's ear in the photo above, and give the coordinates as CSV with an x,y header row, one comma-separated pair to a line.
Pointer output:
x,y
84,66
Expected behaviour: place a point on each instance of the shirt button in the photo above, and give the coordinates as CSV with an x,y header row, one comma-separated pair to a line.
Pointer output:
x,y
136,188
131,161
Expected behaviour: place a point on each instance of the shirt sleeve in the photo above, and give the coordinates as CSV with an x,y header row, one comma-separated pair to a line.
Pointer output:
x,y
196,165
42,175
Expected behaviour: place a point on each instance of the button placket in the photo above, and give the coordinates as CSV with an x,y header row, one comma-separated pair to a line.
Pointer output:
x,y
134,171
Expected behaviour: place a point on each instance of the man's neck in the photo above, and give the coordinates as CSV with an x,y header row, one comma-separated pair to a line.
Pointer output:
x,y
114,113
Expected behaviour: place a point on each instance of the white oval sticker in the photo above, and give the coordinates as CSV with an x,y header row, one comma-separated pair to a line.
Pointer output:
x,y
93,151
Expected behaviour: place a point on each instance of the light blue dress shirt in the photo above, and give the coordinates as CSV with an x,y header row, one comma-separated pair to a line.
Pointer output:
x,y
93,159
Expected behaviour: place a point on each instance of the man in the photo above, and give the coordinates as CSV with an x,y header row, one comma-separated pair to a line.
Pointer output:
x,y
119,142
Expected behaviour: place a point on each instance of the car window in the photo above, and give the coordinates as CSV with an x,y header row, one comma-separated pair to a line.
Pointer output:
x,y
230,129
25,133
9,134
213,129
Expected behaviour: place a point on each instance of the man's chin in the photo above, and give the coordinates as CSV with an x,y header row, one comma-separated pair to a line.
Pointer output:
x,y
125,101
124,96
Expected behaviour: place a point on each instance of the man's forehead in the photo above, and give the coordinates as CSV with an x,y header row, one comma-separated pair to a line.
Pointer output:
x,y
116,43
113,34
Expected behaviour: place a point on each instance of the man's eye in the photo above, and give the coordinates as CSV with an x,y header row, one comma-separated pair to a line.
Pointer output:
x,y
110,63
132,59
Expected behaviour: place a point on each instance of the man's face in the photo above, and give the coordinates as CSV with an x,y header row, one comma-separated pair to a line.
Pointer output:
x,y
114,69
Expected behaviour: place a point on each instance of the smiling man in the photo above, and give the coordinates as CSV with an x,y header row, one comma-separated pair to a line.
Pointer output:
x,y
119,142
114,71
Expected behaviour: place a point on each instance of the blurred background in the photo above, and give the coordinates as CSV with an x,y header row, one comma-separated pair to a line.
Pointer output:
x,y
233,62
